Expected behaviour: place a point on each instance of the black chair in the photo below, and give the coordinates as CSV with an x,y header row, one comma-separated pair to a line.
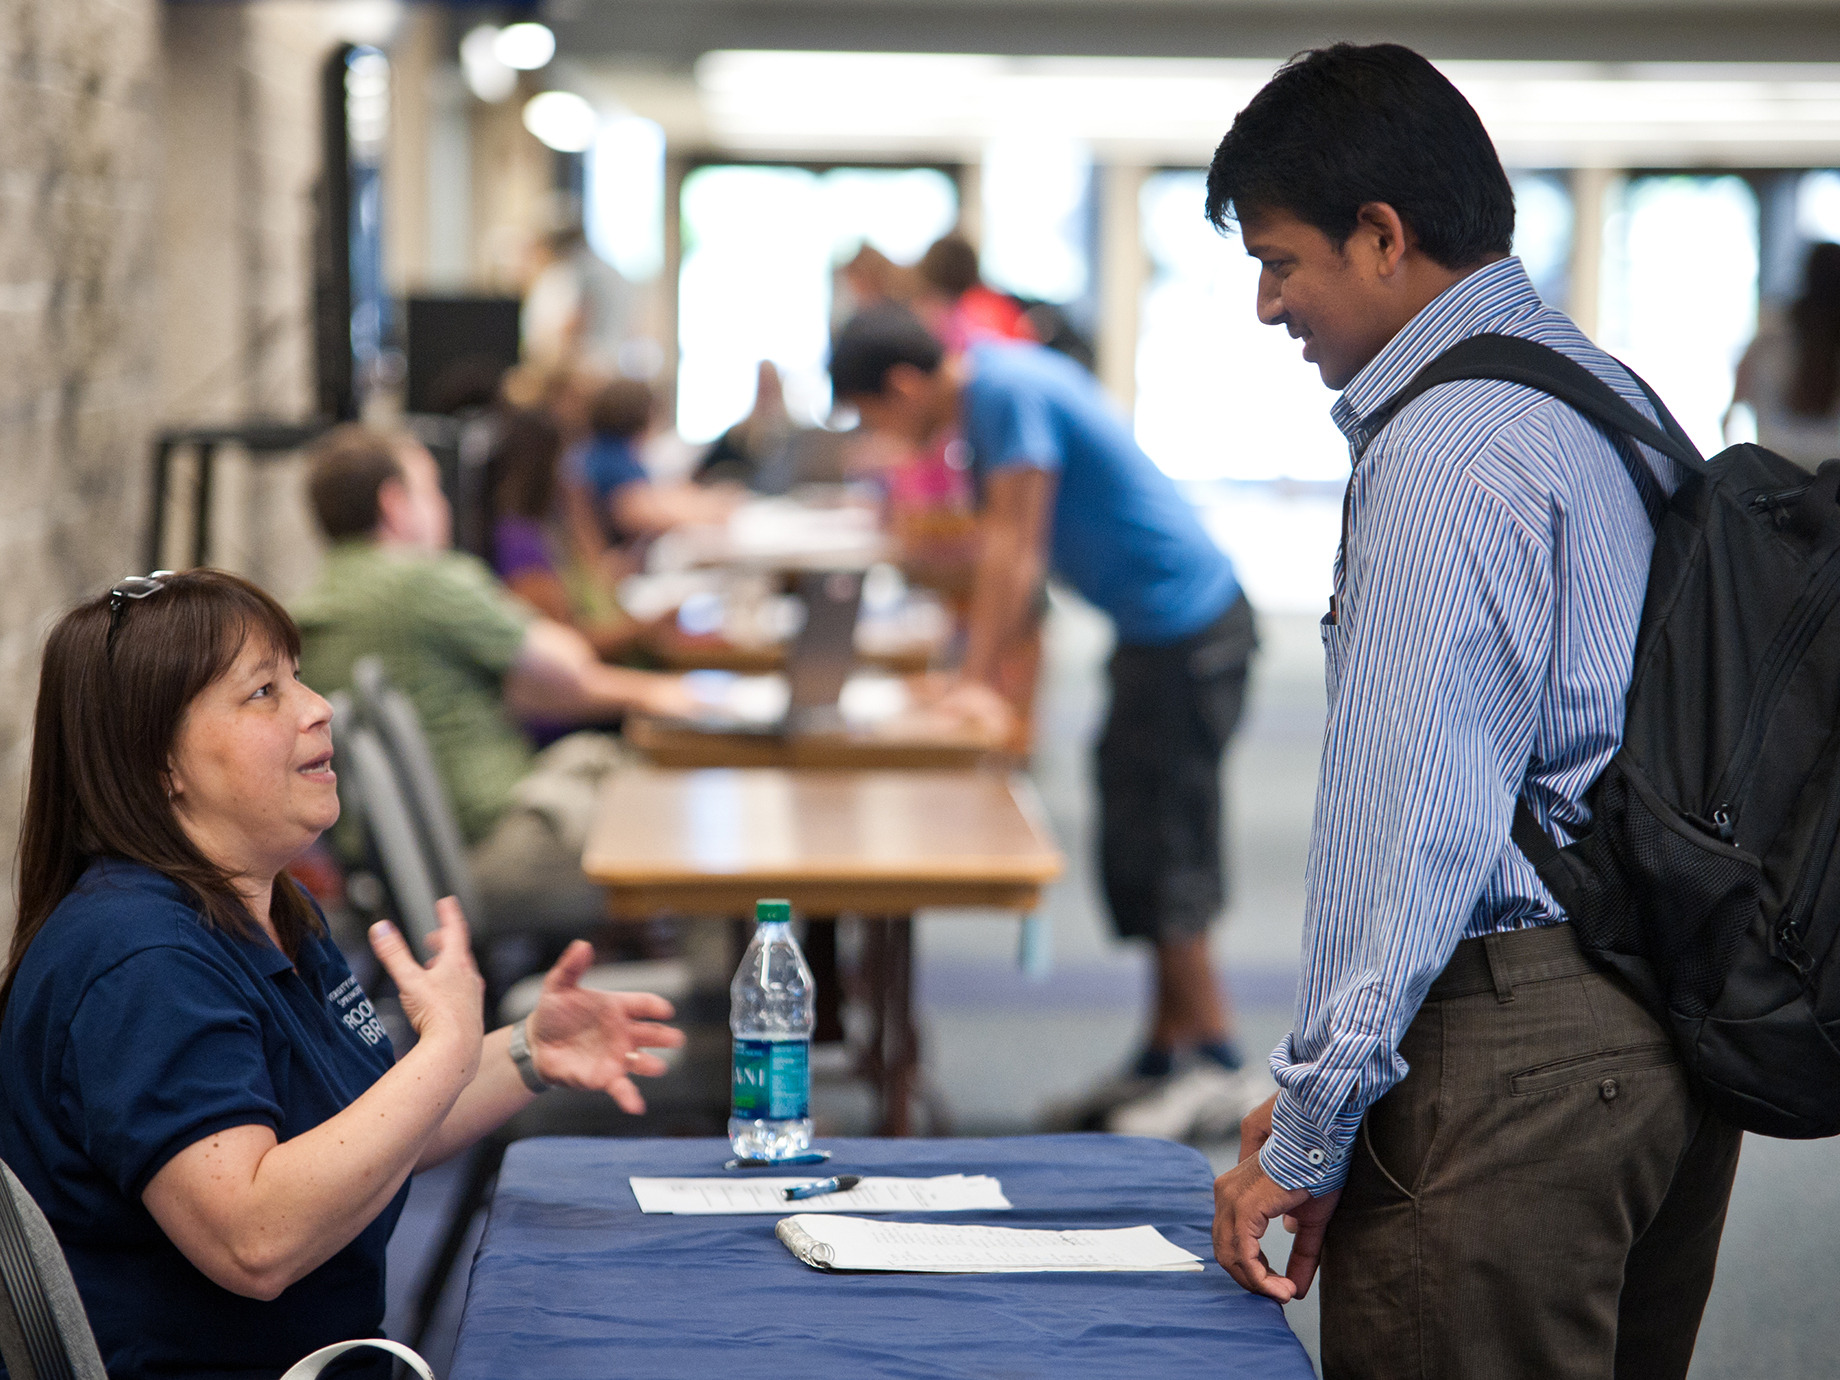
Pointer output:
x,y
44,1332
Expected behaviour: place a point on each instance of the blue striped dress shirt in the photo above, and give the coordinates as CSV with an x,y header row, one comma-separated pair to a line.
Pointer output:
x,y
1487,607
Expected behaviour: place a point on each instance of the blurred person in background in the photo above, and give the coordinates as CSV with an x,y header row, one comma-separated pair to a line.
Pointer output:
x,y
955,303
528,554
1790,374
1064,485
870,276
474,661
755,451
193,1086
578,310
613,502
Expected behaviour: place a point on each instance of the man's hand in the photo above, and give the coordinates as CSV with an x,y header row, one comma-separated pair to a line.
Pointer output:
x,y
581,1038
1245,1201
665,696
978,708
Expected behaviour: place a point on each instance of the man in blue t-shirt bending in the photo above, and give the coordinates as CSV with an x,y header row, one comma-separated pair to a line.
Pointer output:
x,y
1062,485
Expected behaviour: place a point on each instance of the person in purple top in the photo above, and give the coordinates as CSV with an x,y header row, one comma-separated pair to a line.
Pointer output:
x,y
522,483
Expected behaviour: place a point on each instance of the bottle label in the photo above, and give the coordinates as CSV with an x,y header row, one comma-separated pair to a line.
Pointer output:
x,y
773,1080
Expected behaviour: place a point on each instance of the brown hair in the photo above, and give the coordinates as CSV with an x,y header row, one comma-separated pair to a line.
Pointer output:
x,y
1815,321
622,408
349,464
950,266
109,709
521,476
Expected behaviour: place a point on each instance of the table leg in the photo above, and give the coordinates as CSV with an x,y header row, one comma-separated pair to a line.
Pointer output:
x,y
821,955
895,1051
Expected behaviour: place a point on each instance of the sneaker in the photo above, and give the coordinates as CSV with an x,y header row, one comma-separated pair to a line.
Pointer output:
x,y
1090,1110
1202,1102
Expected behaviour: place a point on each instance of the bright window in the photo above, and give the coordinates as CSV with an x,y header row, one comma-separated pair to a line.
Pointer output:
x,y
625,197
1543,232
1679,291
760,245
1037,208
1220,396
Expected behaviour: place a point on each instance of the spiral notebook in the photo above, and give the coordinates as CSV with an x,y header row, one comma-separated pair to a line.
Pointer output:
x,y
833,1242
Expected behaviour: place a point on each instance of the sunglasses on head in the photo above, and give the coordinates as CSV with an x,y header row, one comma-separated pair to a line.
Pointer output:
x,y
134,587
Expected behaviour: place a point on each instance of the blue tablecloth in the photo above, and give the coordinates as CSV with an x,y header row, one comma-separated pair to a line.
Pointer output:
x,y
572,1280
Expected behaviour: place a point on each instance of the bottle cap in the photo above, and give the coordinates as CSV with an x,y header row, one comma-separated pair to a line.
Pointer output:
x,y
770,912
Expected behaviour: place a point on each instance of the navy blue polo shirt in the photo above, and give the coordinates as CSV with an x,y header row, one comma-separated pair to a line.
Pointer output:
x,y
133,1031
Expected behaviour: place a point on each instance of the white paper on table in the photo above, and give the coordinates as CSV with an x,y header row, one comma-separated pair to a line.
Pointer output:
x,y
946,1193
856,1243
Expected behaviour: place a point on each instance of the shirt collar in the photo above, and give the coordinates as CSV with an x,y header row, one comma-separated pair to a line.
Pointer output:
x,y
1487,300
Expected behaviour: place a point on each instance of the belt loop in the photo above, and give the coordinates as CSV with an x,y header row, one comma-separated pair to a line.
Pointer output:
x,y
1498,967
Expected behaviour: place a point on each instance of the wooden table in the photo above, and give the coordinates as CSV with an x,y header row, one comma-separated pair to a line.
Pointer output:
x,y
670,744
682,652
881,844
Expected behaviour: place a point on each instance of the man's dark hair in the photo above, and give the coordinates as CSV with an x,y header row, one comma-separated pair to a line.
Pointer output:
x,y
875,340
1340,127
346,468
622,408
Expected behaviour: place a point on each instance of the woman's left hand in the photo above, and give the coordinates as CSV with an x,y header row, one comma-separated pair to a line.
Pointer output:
x,y
580,1038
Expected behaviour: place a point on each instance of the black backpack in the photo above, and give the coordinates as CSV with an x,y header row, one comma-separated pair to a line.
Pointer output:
x,y
1708,879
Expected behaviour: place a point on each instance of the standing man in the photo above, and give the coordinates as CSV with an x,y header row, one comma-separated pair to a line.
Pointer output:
x,y
1061,481
1489,1144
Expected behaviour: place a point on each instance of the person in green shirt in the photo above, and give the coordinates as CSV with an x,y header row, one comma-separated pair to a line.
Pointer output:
x,y
474,660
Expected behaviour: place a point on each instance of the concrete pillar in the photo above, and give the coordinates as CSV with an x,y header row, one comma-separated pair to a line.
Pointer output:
x,y
1591,189
1122,271
415,57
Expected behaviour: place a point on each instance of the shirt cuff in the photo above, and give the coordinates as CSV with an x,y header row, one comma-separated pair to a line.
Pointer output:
x,y
1300,1155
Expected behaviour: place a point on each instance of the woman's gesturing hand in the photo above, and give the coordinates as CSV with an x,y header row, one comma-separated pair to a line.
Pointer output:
x,y
581,1038
446,998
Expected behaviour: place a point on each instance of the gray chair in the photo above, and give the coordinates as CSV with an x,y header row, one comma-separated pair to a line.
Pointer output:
x,y
44,1332
389,824
387,711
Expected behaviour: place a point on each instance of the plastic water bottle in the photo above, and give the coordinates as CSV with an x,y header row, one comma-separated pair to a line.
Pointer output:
x,y
770,1012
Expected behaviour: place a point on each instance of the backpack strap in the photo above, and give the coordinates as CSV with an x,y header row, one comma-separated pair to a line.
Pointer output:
x,y
1515,359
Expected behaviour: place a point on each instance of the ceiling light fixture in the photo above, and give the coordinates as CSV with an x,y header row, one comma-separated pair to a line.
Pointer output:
x,y
563,120
525,46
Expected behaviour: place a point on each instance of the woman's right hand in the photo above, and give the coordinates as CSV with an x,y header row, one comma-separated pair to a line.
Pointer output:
x,y
444,999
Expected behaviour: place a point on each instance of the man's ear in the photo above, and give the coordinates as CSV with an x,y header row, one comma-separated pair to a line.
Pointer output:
x,y
904,381
1384,234
392,506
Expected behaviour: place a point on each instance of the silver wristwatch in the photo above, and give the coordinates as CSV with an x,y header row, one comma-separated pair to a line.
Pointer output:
x,y
520,1055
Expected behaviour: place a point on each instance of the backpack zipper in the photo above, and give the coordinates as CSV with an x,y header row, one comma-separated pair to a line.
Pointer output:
x,y
1778,499
1800,909
1809,614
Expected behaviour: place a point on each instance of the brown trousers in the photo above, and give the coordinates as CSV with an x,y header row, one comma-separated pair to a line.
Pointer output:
x,y
1540,1197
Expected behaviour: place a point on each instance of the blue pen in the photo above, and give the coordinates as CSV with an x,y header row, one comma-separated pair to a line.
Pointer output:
x,y
840,1183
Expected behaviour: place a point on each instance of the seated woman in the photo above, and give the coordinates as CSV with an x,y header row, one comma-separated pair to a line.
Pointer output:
x,y
521,482
192,1084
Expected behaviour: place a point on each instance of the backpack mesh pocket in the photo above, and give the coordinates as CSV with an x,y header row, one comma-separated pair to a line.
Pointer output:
x,y
1647,883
